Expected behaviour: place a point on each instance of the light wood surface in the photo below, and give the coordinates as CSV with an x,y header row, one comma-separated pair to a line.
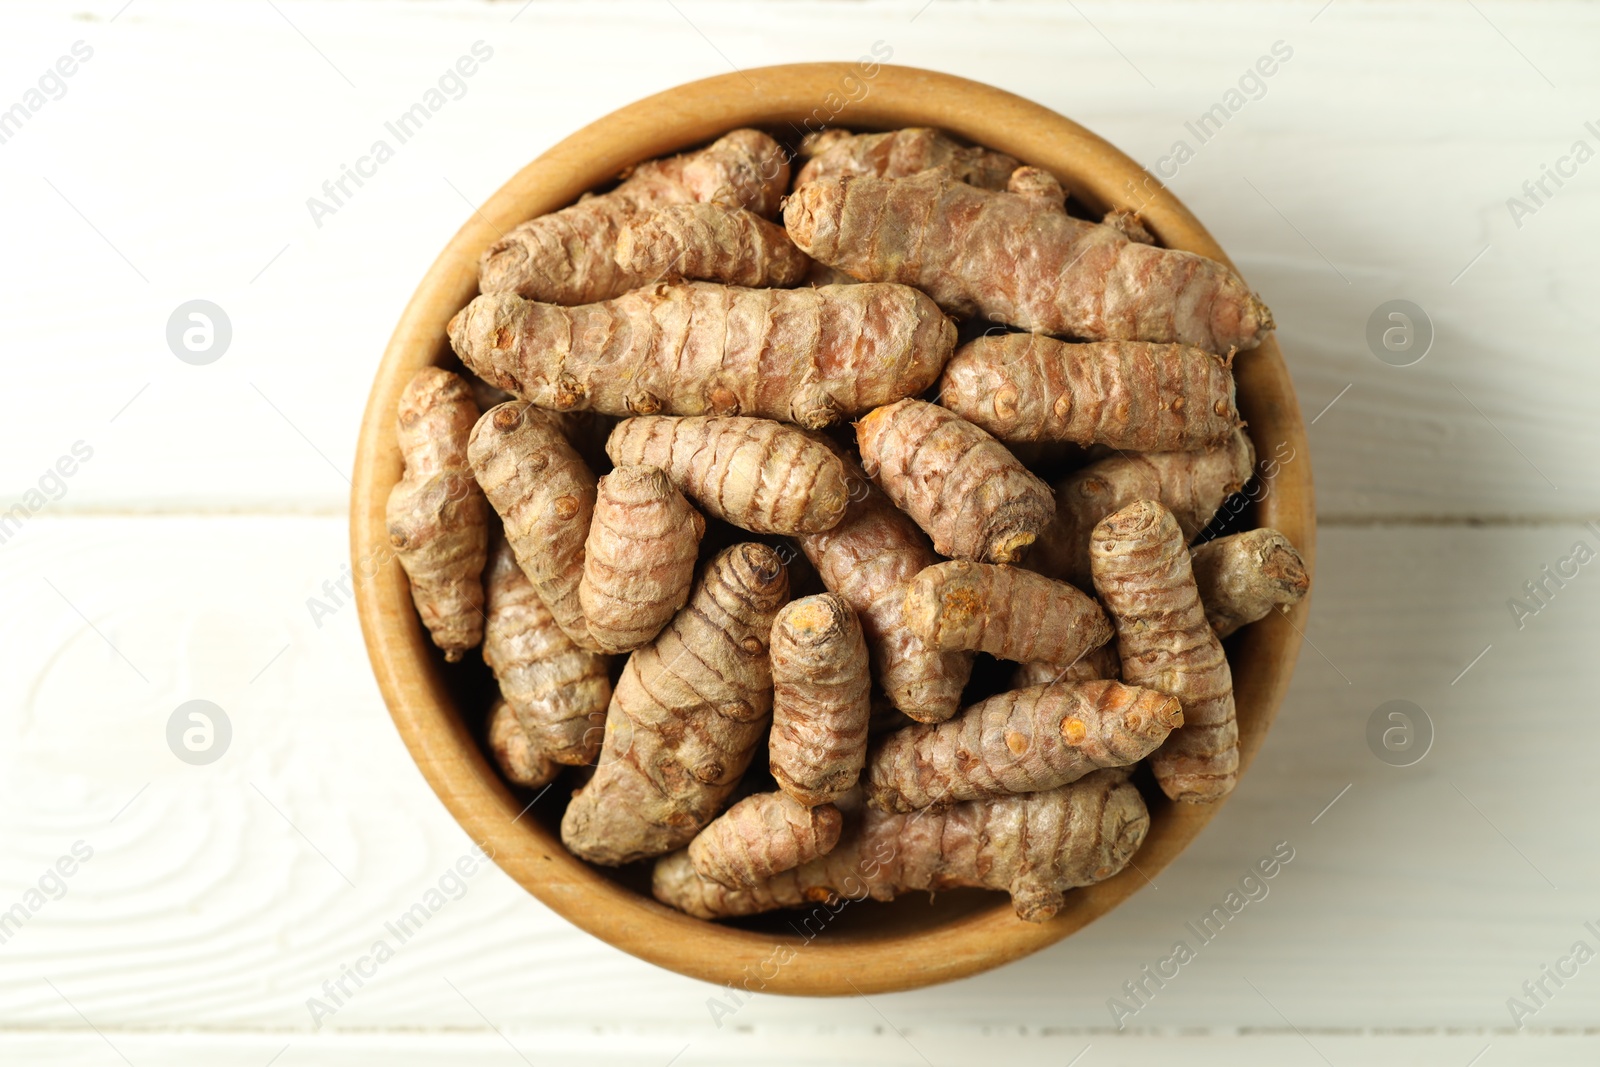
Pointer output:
x,y
1389,143
203,908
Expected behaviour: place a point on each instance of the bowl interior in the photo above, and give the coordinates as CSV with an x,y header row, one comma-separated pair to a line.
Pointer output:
x,y
859,947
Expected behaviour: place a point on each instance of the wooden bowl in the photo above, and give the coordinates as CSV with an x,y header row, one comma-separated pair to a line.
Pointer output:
x,y
866,947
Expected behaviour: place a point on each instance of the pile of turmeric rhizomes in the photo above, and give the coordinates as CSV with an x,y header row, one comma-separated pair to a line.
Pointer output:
x,y
825,451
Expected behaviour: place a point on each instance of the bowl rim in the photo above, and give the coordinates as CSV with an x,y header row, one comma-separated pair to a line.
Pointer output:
x,y
798,97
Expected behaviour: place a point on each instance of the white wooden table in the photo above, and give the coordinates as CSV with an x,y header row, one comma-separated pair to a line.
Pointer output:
x,y
175,563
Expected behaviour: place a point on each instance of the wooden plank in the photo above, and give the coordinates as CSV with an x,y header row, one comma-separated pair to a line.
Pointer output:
x,y
1381,158
1418,902
217,898
865,1047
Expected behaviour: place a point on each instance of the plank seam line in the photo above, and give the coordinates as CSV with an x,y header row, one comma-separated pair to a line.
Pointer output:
x,y
985,1031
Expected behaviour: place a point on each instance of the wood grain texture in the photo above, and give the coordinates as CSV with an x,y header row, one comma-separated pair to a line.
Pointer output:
x,y
863,1048
204,910
914,946
1389,144
1390,141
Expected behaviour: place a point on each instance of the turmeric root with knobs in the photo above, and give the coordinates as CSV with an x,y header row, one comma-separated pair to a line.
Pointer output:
x,y
899,154
585,430
763,835
974,498
759,475
518,758
566,257
964,246
712,242
1123,394
821,700
1020,742
1038,185
1192,485
557,691
1043,188
437,518
809,356
1035,846
1243,577
869,559
1142,572
1009,613
687,715
1021,508
638,561
1095,664
544,493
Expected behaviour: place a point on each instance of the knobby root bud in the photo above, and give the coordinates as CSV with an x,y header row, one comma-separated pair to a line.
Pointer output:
x,y
518,758
1039,185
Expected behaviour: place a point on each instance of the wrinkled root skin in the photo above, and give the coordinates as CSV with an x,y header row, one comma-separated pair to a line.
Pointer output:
x,y
1245,576
566,257
1007,612
714,243
437,517
821,700
1131,395
686,717
1022,741
544,494
869,559
1143,575
760,475
763,835
809,356
1192,485
973,497
900,154
1020,260
1036,846
639,558
557,691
